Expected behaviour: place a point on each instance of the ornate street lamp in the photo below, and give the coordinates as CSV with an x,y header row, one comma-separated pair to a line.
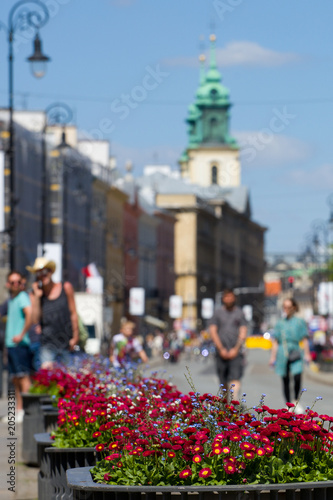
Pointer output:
x,y
55,114
58,114
21,17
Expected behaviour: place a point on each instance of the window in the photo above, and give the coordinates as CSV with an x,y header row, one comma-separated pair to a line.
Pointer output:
x,y
214,174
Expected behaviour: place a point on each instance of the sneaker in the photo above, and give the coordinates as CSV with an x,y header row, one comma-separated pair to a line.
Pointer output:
x,y
298,409
19,416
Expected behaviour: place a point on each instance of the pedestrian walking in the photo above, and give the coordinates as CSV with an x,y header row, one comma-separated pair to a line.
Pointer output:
x,y
34,334
53,306
126,348
228,329
17,338
287,356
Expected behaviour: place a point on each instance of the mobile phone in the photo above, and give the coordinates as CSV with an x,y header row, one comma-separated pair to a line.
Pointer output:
x,y
40,284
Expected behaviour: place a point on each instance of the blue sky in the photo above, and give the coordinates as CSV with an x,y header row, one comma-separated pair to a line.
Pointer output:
x,y
275,57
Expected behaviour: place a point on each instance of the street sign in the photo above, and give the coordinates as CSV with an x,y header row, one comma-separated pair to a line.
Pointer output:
x,y
137,301
207,308
248,312
175,306
325,298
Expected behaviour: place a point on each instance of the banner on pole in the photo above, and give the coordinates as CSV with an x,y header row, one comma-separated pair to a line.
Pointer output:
x,y
175,306
207,308
137,301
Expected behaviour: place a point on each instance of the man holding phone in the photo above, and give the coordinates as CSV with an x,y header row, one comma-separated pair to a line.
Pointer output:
x,y
53,306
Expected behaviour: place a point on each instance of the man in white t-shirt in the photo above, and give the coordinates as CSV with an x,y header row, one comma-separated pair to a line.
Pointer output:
x,y
126,348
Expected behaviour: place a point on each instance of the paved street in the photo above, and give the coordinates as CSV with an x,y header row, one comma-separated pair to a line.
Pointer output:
x,y
258,379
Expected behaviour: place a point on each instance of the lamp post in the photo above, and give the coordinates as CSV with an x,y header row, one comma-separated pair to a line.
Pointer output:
x,y
20,19
61,149
321,244
55,114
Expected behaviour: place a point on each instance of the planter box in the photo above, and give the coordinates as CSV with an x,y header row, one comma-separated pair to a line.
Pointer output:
x,y
44,441
35,421
82,485
59,460
326,366
33,402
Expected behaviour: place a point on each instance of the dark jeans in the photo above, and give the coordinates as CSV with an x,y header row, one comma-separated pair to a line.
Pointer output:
x,y
286,384
35,356
229,369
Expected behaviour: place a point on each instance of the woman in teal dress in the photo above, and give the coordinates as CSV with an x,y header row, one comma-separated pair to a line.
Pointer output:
x,y
288,333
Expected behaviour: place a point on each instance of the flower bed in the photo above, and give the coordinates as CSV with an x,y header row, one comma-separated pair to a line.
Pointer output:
x,y
150,434
202,440
81,485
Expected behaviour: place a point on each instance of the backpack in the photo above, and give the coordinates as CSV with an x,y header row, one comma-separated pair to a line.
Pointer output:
x,y
83,334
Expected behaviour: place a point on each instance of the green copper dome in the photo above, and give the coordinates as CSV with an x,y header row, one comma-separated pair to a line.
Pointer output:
x,y
208,116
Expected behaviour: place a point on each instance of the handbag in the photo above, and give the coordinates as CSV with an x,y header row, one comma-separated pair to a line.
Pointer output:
x,y
294,355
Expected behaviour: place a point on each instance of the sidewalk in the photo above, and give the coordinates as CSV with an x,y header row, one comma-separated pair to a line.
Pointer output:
x,y
318,376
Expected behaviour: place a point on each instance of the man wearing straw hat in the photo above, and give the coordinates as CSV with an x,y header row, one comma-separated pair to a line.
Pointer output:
x,y
53,306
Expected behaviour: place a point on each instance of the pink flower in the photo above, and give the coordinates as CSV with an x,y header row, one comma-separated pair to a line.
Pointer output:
x,y
205,472
185,473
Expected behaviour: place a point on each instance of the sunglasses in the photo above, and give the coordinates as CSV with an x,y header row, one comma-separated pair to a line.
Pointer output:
x,y
15,282
43,272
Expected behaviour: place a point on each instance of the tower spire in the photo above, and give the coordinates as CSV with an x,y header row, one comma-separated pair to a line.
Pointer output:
x,y
213,74
202,59
213,64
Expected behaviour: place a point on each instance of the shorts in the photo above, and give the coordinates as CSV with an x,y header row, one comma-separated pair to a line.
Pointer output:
x,y
19,361
52,354
230,369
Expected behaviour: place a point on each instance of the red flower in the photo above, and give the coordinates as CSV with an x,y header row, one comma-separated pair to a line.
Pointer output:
x,y
176,447
185,473
218,451
197,459
171,454
249,455
230,468
205,472
246,446
306,447
235,437
96,434
114,445
114,456
99,447
260,452
285,434
107,477
147,453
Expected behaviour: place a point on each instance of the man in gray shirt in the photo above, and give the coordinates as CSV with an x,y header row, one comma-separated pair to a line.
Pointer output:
x,y
228,332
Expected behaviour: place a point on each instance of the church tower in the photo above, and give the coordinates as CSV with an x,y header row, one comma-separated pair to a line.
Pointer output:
x,y
212,155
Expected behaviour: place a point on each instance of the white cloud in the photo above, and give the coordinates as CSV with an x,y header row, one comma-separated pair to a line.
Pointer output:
x,y
263,148
241,53
320,177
